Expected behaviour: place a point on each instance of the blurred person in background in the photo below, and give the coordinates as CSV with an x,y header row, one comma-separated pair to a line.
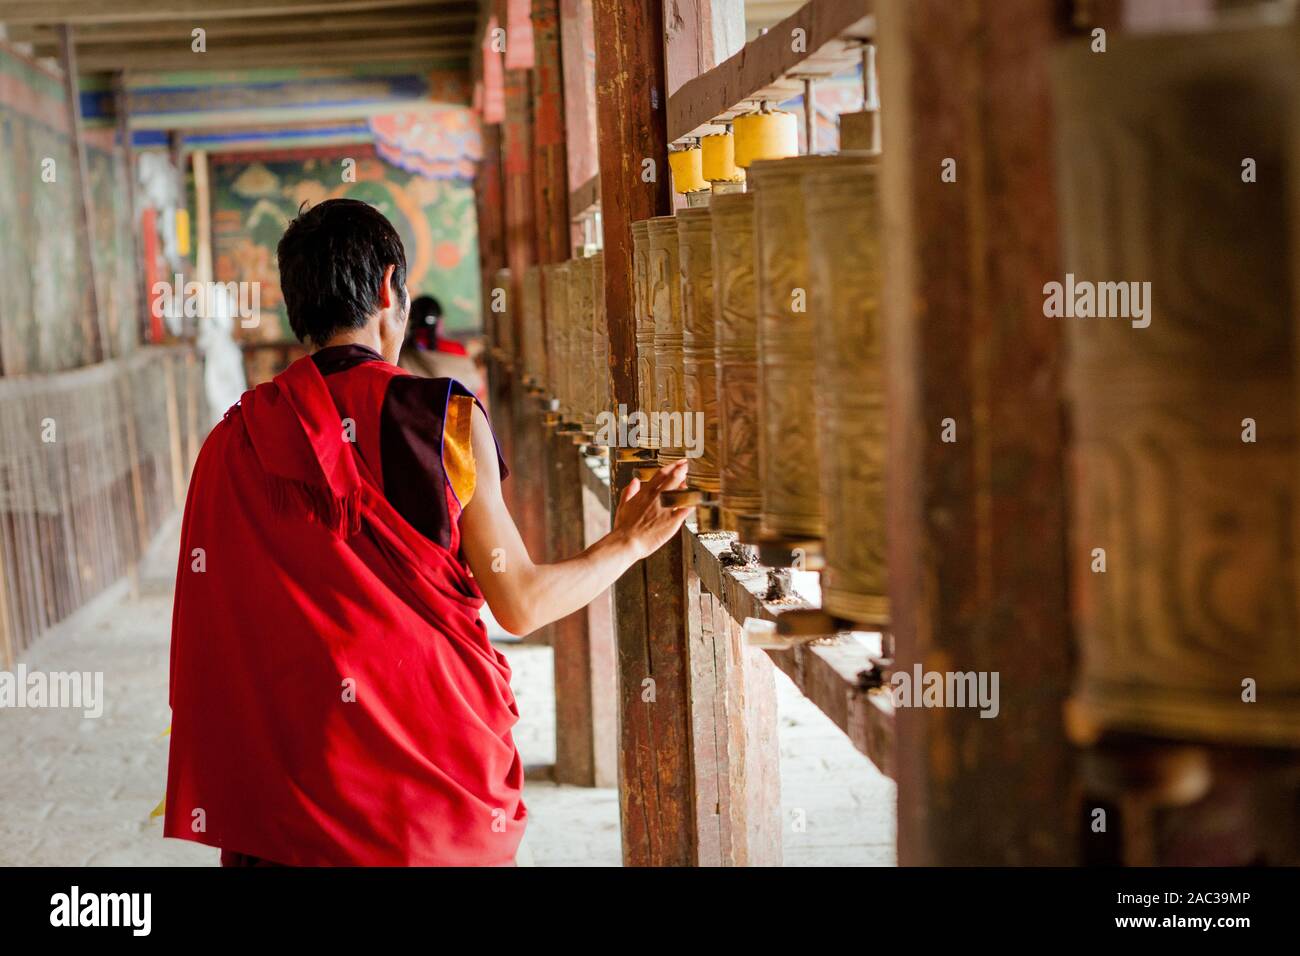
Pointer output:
x,y
425,352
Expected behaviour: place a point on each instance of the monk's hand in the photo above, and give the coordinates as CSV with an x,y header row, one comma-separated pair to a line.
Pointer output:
x,y
645,522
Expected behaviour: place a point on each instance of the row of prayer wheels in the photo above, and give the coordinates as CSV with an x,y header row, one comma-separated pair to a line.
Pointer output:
x,y
570,362
758,321
758,356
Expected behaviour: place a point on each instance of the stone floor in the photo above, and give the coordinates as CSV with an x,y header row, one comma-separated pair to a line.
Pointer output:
x,y
77,791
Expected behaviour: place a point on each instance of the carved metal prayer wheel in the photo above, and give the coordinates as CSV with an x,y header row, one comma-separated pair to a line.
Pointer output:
x,y
663,273
735,306
788,446
842,209
1183,399
699,342
602,399
533,344
645,329
582,345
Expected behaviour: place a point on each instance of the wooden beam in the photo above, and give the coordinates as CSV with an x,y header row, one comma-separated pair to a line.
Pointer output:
x,y
586,738
18,12
656,789
826,672
833,31
577,49
700,34
977,526
550,156
269,53
585,198
355,25
94,325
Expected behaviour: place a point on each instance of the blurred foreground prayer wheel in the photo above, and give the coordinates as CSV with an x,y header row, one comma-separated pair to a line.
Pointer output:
x,y
735,307
665,287
699,351
645,333
532,343
602,399
1184,506
582,354
788,461
845,279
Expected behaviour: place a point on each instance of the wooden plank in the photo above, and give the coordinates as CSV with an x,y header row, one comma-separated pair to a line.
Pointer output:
x,y
825,671
700,34
977,526
577,49
407,45
219,32
767,67
196,11
96,335
550,156
586,198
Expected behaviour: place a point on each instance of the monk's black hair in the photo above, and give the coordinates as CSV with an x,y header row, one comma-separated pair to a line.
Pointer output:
x,y
332,260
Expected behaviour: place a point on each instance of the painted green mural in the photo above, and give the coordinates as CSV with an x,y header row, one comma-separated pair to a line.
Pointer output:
x,y
255,196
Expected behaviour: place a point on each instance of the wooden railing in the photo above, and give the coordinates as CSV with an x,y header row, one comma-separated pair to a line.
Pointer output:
x,y
91,463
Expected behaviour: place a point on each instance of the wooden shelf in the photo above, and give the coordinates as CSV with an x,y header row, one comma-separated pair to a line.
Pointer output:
x,y
826,672
767,68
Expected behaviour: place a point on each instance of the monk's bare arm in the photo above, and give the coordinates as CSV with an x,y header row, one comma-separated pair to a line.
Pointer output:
x,y
524,595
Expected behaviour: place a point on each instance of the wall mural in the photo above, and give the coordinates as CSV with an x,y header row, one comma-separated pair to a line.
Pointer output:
x,y
255,195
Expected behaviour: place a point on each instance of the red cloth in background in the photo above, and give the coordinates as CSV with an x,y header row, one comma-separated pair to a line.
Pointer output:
x,y
298,579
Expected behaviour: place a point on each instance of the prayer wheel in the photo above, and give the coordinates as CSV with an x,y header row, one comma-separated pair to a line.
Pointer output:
x,y
765,134
531,329
582,353
1184,416
602,383
788,446
735,308
844,296
663,273
699,341
645,330
688,170
718,159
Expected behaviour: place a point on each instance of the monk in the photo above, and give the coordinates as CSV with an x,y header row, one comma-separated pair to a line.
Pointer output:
x,y
427,352
335,697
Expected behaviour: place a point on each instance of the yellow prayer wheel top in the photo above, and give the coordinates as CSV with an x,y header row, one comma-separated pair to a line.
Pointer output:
x,y
718,159
688,174
765,134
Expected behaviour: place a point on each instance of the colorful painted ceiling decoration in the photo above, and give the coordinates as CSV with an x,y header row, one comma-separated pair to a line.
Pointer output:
x,y
441,143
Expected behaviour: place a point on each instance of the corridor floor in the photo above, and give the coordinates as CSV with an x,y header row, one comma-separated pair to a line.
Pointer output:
x,y
77,791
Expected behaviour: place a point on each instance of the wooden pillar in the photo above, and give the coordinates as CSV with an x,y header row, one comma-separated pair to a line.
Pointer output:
x,y
977,525
550,157
96,336
656,789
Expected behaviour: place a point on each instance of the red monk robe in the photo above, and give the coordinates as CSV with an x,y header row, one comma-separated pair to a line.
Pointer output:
x,y
335,698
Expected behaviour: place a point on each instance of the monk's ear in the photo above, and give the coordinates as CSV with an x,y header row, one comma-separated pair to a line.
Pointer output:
x,y
386,290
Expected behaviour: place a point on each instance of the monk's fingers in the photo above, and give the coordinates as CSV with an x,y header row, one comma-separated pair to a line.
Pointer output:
x,y
630,491
670,476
